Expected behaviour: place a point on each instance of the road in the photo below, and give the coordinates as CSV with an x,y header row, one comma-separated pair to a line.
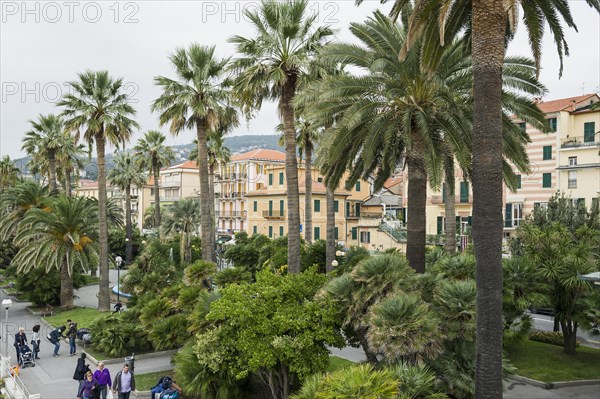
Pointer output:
x,y
546,323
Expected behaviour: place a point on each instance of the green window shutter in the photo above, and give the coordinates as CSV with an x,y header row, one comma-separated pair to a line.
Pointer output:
x,y
270,208
470,222
255,206
270,231
270,179
580,202
281,207
317,234
336,206
589,132
536,205
547,180
508,216
458,225
317,205
369,237
254,229
552,124
464,191
347,209
404,215
354,233
335,233
357,186
444,193
518,181
281,178
594,202
439,224
280,231
547,152
357,205
523,126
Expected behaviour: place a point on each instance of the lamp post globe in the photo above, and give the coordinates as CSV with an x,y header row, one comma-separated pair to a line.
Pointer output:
x,y
334,263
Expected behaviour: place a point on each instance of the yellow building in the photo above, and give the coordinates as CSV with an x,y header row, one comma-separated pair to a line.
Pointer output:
x,y
177,182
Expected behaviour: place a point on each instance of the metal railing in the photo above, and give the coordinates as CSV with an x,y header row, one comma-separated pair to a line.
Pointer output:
x,y
277,215
15,387
230,214
397,235
579,141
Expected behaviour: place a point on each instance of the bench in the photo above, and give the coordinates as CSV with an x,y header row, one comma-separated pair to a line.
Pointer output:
x,y
49,311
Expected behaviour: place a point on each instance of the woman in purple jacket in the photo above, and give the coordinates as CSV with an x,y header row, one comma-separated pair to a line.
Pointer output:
x,y
102,375
88,388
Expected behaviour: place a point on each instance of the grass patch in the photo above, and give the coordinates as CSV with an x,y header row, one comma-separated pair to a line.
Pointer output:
x,y
548,363
89,280
338,363
82,316
143,382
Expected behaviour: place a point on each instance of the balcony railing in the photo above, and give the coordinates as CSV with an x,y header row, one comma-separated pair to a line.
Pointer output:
x,y
275,215
438,199
371,215
579,141
169,199
230,214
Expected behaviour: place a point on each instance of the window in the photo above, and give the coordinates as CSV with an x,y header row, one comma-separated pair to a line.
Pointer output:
x,y
255,206
270,208
320,179
547,152
280,231
518,181
270,179
552,124
365,237
254,229
440,225
354,233
594,202
572,161
589,131
270,231
317,234
572,179
580,202
517,214
464,191
547,180
522,126
317,205
335,233
336,206
281,207
357,186
281,178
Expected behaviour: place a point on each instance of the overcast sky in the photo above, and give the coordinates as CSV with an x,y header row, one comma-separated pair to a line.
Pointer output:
x,y
43,45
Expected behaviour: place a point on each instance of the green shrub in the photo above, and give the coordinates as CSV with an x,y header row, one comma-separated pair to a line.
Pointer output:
x,y
548,337
43,288
232,275
117,336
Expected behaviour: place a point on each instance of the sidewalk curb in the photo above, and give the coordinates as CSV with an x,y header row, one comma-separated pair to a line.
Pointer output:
x,y
92,359
553,385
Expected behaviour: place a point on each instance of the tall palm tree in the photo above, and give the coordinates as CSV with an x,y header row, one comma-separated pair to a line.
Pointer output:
x,y
152,154
45,139
183,217
270,66
487,22
198,99
8,172
97,107
69,159
16,200
62,236
123,175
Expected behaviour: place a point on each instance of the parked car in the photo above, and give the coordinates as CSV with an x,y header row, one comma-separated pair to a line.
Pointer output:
x,y
546,311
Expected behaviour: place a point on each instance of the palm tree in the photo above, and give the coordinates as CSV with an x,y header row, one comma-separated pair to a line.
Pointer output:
x,y
97,107
197,98
45,139
183,217
270,66
152,154
15,201
8,172
487,22
69,158
123,175
61,236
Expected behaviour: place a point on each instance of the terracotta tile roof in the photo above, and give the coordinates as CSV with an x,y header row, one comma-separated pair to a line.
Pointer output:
x,y
183,165
391,182
260,155
564,104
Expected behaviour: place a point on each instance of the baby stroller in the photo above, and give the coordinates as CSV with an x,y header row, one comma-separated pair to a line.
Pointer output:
x,y
27,358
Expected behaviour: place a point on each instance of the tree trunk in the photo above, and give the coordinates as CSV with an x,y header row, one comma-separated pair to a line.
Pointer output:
x,y
364,343
128,230
330,248
52,169
208,234
211,194
417,198
449,204
569,329
489,25
104,293
68,180
308,236
291,171
66,287
156,171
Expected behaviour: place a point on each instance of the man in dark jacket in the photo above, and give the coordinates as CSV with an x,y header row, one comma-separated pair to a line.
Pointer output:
x,y
54,337
20,341
71,335
124,383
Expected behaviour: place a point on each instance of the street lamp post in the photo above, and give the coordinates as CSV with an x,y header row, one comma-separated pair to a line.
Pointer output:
x,y
6,303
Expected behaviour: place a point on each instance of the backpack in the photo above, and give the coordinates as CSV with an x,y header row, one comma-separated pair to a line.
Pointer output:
x,y
167,382
170,394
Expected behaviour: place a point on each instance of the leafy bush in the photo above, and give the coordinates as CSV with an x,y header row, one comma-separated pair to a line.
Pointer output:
x,y
169,332
232,275
117,335
548,337
43,288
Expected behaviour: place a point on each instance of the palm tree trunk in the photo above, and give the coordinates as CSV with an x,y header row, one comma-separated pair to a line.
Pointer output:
x,y
211,193
208,248
489,26
52,169
68,180
449,204
66,287
330,248
308,236
569,329
128,230
417,197
291,171
155,171
104,293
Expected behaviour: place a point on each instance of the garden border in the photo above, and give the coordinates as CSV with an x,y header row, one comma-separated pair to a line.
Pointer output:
x,y
141,356
553,385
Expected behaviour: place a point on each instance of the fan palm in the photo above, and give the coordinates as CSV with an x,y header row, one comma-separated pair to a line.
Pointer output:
x,y
197,98
123,175
489,22
183,217
61,236
8,172
16,201
45,139
152,154
97,107
69,158
270,66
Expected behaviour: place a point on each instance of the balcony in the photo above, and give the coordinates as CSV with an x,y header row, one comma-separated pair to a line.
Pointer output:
x,y
166,184
170,199
273,215
579,141
371,215
439,200
231,214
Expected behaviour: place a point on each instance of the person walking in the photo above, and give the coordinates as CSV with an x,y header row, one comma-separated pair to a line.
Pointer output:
x,y
102,375
20,341
35,340
80,370
124,383
71,335
54,337
88,388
